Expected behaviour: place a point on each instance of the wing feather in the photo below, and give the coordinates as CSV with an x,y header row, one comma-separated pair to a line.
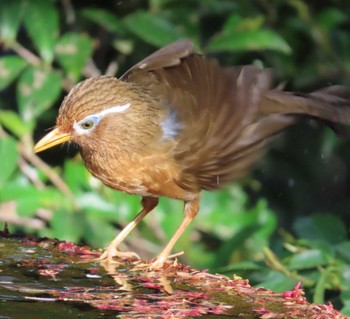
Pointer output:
x,y
226,114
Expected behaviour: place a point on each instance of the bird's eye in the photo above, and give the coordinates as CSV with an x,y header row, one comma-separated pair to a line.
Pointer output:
x,y
87,125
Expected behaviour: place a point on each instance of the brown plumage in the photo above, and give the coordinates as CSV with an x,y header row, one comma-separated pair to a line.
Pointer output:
x,y
177,123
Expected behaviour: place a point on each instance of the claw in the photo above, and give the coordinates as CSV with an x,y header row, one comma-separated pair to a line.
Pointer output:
x,y
111,253
157,264
161,260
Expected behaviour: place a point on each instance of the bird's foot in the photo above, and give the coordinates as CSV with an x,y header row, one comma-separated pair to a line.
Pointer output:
x,y
111,254
159,263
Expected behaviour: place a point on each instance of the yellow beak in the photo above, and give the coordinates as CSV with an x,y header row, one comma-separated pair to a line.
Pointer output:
x,y
51,139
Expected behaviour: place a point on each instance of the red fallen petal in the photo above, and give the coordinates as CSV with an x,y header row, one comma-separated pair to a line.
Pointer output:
x,y
86,252
329,307
297,286
145,279
200,295
65,246
73,249
219,309
261,310
269,315
29,242
195,312
48,273
94,270
295,293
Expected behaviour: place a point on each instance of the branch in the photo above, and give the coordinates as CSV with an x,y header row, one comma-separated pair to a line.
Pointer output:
x,y
27,170
9,214
25,53
50,173
91,70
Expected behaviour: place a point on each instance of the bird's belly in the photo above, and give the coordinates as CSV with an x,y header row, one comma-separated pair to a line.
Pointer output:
x,y
130,184
139,178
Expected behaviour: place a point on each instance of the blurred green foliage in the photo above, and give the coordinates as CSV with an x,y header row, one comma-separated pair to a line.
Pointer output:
x,y
296,202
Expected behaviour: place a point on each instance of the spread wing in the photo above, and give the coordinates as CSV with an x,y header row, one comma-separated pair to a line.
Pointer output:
x,y
225,114
168,56
223,135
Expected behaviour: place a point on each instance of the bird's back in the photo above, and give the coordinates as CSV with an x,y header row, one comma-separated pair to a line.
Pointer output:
x,y
226,114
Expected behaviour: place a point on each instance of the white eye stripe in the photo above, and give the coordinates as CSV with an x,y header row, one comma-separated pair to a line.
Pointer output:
x,y
95,118
113,109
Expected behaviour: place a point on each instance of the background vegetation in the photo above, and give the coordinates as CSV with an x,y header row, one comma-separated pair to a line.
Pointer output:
x,y
296,201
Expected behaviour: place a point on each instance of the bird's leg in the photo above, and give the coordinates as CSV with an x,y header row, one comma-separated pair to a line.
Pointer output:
x,y
148,203
190,212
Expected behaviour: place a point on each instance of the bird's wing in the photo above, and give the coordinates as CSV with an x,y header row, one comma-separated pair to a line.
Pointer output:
x,y
216,110
226,114
170,55
222,135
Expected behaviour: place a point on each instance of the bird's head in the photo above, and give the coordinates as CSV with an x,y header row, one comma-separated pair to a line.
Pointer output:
x,y
104,111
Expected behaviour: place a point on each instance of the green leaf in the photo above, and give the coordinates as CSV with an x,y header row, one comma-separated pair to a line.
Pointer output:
x,y
277,282
320,289
238,23
242,266
41,22
125,47
307,259
37,90
240,34
8,155
10,68
323,227
10,17
127,206
346,309
343,250
225,252
67,226
152,28
93,234
329,278
345,280
329,18
29,198
105,19
249,40
328,249
26,197
76,176
73,51
14,123
96,205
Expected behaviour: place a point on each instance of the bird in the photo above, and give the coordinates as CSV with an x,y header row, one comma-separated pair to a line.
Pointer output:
x,y
177,123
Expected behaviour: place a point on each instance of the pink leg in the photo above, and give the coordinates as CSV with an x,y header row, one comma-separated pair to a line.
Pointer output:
x,y
190,212
148,204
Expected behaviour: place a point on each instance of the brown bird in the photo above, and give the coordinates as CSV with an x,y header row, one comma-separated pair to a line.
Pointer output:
x,y
177,123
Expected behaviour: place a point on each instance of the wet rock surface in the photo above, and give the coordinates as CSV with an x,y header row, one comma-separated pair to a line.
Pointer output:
x,y
44,278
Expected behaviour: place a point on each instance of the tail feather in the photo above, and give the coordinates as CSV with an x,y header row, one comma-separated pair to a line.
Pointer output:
x,y
331,104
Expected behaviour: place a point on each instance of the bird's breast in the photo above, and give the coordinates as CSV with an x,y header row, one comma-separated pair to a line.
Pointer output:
x,y
146,176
